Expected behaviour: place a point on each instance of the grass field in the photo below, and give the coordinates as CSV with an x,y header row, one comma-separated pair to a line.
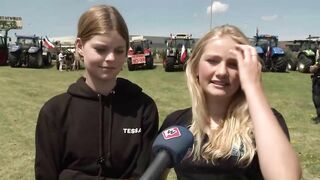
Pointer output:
x,y
23,92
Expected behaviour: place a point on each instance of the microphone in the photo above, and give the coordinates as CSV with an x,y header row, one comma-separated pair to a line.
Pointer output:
x,y
170,146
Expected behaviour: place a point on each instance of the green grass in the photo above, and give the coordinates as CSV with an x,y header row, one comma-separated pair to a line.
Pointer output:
x,y
23,91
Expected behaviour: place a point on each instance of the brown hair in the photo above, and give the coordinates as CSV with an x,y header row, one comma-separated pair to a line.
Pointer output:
x,y
101,19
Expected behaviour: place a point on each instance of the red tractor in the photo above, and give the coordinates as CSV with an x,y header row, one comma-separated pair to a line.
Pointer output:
x,y
3,51
178,51
139,54
6,24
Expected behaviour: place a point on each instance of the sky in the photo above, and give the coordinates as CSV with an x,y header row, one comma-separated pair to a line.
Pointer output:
x,y
288,19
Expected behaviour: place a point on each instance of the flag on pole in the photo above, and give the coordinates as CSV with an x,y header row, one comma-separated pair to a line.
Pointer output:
x,y
183,54
47,43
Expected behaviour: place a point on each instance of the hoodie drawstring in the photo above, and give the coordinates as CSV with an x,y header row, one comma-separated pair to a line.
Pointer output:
x,y
110,122
104,160
101,159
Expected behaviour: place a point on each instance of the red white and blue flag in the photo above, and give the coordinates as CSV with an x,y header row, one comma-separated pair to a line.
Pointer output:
x,y
47,43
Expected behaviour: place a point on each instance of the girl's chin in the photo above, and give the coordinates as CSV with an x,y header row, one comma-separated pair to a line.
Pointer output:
x,y
217,92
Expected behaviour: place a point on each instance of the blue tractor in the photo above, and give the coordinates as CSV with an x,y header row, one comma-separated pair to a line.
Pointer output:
x,y
272,57
29,51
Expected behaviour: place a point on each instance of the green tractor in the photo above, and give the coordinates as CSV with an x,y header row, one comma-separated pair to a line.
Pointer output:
x,y
178,50
307,53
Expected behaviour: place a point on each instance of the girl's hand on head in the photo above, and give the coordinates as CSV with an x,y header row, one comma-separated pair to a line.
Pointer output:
x,y
249,66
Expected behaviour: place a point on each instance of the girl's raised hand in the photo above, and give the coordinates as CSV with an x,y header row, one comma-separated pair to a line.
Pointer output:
x,y
249,66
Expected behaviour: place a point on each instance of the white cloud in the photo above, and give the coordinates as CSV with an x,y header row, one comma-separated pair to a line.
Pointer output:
x,y
217,7
269,18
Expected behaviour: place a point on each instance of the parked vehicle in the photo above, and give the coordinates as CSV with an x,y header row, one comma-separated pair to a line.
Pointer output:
x,y
272,57
178,50
3,51
29,51
139,54
307,53
6,24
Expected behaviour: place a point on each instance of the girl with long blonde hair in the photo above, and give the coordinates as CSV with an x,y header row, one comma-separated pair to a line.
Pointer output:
x,y
237,134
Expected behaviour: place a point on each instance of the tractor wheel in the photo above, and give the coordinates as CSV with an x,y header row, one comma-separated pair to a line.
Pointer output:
x,y
304,64
279,65
149,62
292,65
35,60
263,65
169,64
130,65
14,60
47,59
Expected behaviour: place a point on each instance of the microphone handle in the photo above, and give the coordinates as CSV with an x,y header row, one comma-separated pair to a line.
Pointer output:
x,y
158,166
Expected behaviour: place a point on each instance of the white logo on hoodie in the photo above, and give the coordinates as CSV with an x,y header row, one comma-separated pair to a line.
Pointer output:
x,y
131,130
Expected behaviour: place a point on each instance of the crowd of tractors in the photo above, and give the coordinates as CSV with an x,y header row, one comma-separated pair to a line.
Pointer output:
x,y
33,52
173,53
177,50
26,51
297,56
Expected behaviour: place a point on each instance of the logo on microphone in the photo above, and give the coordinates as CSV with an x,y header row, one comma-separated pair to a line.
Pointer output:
x,y
171,133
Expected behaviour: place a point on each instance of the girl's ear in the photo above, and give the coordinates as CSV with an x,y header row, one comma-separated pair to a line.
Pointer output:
x,y
79,46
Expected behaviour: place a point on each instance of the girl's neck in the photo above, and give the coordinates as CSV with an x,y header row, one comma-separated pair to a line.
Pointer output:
x,y
217,109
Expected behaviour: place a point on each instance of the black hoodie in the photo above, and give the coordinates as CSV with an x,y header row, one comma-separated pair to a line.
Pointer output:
x,y
81,134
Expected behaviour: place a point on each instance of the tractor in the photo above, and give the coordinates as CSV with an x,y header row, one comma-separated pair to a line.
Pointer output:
x,y
29,51
272,57
6,24
178,50
139,54
307,53
3,51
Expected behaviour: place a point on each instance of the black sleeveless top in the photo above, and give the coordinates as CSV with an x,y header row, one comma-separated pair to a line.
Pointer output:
x,y
224,169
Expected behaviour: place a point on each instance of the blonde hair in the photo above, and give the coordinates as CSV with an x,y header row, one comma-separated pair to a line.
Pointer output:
x,y
236,130
99,20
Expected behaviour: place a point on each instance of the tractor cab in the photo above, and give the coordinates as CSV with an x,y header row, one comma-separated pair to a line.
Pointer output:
x,y
138,45
25,42
179,40
265,41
